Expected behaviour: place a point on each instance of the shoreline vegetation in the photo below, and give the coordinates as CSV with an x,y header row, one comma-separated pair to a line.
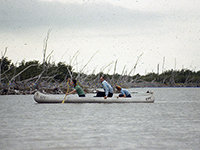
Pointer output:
x,y
48,77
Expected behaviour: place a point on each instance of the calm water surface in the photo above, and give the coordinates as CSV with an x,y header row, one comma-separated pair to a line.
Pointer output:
x,y
172,122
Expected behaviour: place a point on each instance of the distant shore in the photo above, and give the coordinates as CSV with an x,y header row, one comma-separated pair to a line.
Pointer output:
x,y
61,89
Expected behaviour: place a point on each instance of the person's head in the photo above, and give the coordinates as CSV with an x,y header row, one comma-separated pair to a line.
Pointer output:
x,y
74,82
102,79
118,87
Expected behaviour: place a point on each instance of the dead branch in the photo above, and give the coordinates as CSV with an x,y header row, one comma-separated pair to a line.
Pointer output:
x,y
103,68
13,78
2,58
45,47
134,68
88,61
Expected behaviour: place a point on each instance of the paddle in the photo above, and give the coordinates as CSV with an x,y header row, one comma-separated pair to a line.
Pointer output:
x,y
67,91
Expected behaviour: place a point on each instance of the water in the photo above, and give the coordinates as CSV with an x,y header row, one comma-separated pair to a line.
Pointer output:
x,y
172,122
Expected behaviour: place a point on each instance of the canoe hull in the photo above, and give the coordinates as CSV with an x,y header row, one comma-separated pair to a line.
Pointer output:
x,y
50,98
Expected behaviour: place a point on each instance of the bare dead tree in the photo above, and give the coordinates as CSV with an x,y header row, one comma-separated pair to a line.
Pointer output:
x,y
163,64
39,77
4,73
103,68
46,60
13,78
73,59
88,62
45,47
125,77
115,66
2,59
82,69
136,63
123,71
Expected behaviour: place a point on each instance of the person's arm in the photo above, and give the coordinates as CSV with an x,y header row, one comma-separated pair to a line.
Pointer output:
x,y
105,87
71,92
123,93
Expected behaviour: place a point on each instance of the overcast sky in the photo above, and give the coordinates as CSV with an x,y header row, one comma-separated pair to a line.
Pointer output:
x,y
116,29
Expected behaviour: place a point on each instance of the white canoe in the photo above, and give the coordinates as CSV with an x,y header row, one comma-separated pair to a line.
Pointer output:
x,y
51,98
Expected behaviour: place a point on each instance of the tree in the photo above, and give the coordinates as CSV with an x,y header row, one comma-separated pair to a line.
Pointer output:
x,y
63,72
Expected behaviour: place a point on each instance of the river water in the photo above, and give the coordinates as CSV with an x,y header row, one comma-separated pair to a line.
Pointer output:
x,y
172,122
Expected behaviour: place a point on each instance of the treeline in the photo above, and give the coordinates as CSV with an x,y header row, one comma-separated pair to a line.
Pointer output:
x,y
35,75
27,77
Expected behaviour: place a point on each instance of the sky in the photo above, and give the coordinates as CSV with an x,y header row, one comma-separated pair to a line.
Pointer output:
x,y
94,35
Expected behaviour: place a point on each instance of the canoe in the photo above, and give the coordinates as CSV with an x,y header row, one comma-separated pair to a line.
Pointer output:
x,y
52,98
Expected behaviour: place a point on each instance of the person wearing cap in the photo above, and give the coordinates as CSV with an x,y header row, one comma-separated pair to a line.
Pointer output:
x,y
123,92
77,89
108,90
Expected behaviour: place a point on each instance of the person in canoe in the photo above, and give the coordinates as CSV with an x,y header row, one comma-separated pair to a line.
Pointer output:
x,y
123,92
77,89
108,90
